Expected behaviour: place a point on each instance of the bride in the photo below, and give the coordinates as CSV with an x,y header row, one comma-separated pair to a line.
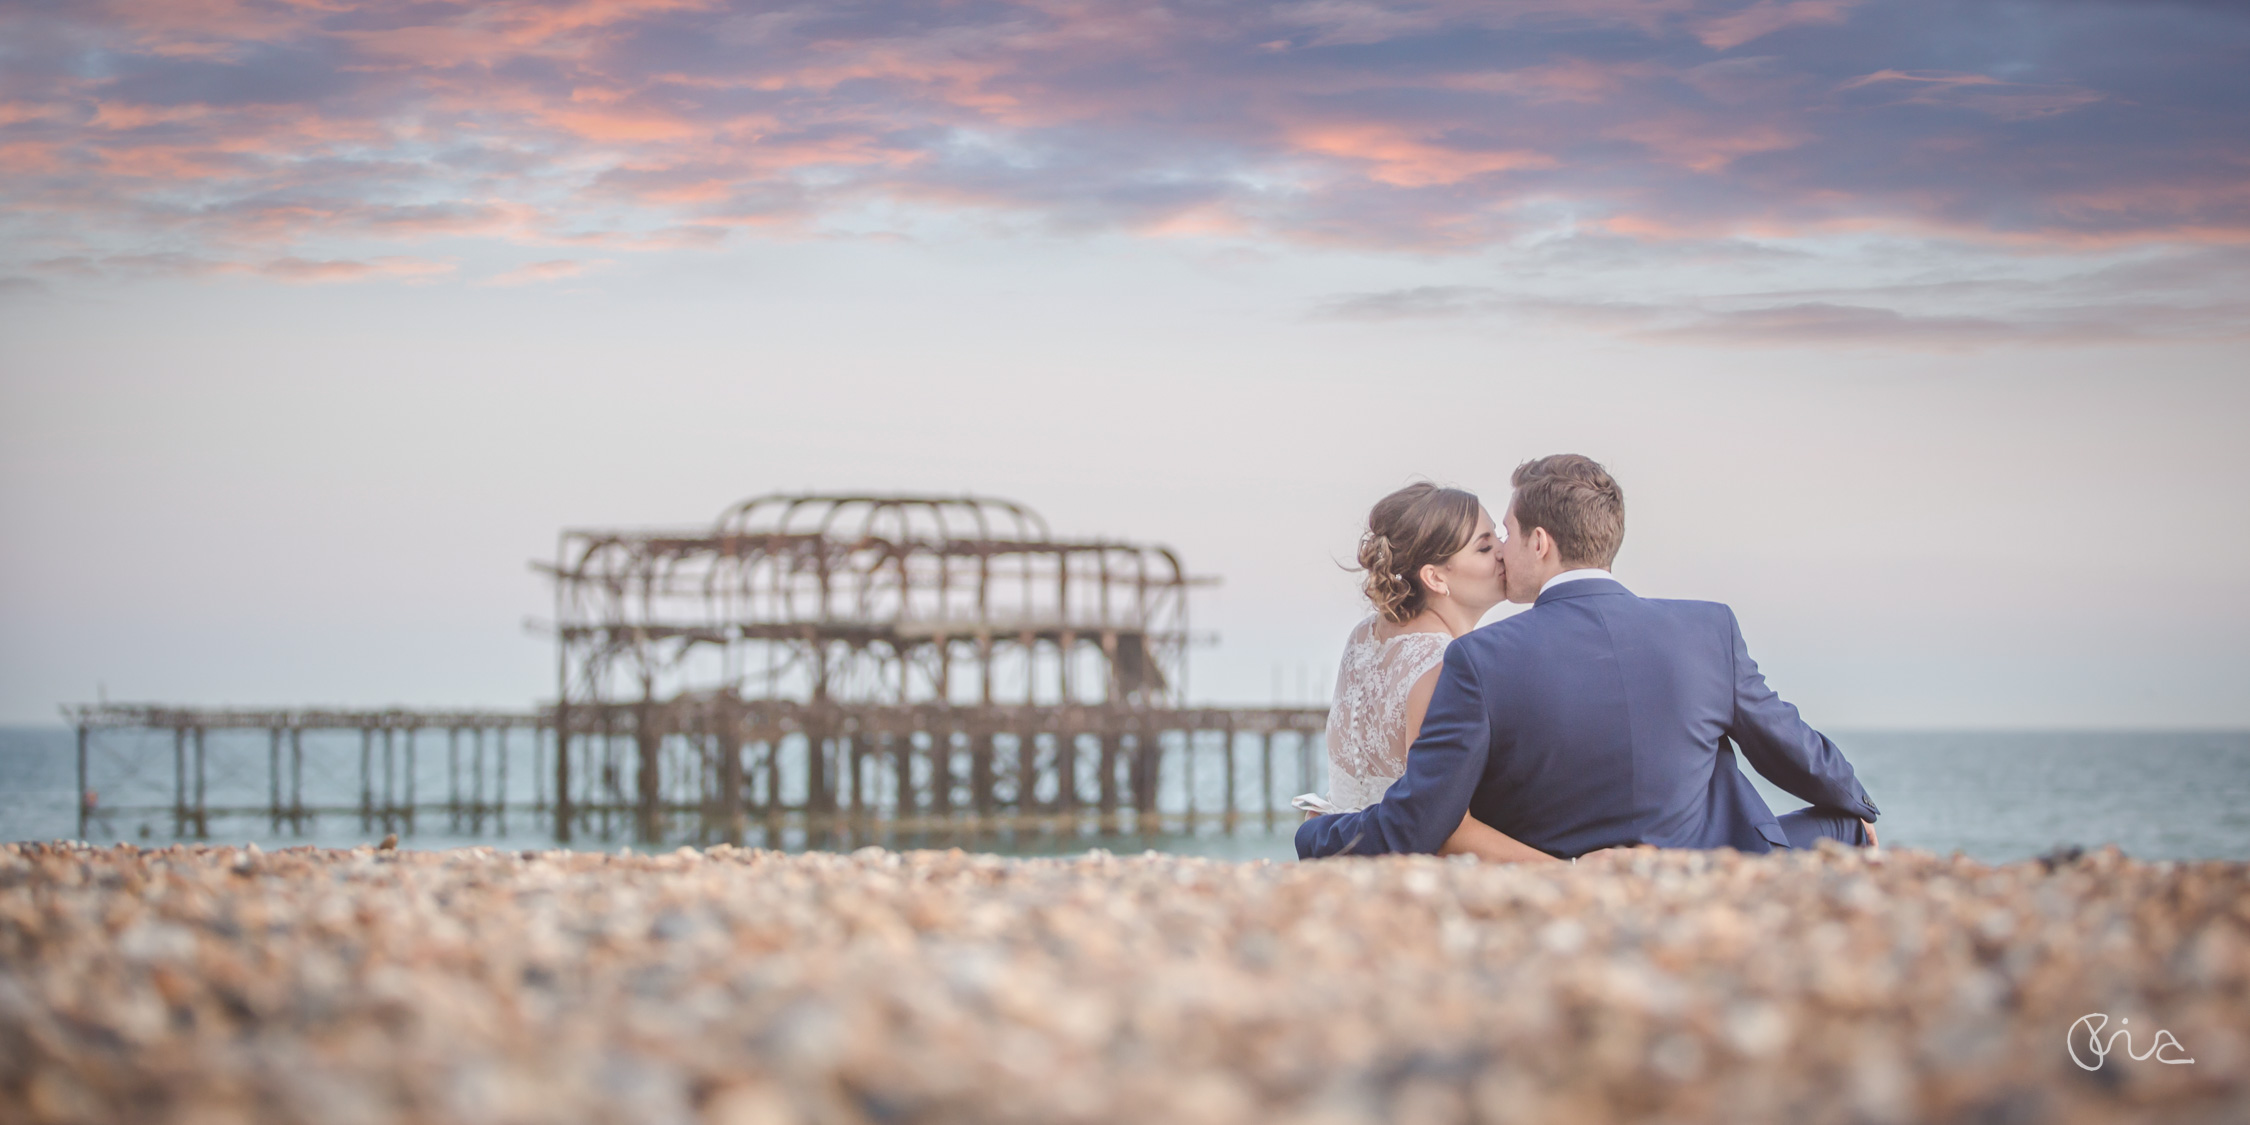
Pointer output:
x,y
1433,570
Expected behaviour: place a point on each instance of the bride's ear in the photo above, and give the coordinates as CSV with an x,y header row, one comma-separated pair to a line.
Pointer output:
x,y
1432,579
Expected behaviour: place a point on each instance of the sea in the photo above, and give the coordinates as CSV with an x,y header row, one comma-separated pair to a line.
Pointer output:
x,y
1995,796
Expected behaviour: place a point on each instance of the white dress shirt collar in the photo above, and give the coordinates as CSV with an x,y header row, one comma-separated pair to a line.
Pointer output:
x,y
1581,574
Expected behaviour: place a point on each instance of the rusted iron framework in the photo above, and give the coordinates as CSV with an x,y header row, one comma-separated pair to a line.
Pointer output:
x,y
922,626
869,600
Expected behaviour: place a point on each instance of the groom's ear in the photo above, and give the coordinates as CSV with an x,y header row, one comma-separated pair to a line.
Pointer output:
x,y
1542,544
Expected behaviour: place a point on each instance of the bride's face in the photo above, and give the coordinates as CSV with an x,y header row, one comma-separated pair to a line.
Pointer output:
x,y
1473,576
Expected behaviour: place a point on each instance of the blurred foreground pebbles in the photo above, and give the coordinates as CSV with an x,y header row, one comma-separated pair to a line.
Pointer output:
x,y
747,987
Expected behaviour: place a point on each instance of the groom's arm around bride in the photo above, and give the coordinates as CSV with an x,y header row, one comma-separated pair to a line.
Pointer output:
x,y
1598,718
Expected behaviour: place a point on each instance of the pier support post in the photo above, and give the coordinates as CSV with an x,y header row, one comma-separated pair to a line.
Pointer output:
x,y
1187,774
85,795
1108,778
273,780
844,808
179,782
297,780
648,786
941,774
1233,809
730,773
390,778
202,811
1265,773
903,805
1066,773
1027,775
453,778
562,773
1147,768
774,807
818,803
613,777
411,776
500,794
983,746
366,779
476,781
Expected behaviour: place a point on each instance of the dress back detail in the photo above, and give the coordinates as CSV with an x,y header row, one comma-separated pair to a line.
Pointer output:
x,y
1367,723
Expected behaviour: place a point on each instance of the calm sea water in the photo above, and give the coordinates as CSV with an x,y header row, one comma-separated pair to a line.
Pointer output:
x,y
1996,796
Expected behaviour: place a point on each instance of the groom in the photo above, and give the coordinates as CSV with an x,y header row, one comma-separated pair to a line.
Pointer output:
x,y
1598,719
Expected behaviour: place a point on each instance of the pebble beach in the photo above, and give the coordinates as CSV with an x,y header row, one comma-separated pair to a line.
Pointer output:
x,y
747,987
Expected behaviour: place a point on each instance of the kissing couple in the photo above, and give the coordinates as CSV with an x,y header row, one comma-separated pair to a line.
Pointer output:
x,y
1595,719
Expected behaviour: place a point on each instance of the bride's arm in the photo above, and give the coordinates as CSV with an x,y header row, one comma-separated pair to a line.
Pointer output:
x,y
1473,837
1491,845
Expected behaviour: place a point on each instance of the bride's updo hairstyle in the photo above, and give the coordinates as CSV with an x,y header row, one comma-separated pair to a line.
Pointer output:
x,y
1417,526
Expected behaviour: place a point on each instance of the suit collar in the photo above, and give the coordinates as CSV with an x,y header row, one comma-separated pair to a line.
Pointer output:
x,y
1583,588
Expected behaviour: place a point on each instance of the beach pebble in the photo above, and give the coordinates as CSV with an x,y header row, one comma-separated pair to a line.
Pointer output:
x,y
740,986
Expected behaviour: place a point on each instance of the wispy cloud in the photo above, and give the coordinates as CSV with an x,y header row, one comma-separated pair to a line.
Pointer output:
x,y
2167,297
2008,101
400,267
558,269
291,269
1733,29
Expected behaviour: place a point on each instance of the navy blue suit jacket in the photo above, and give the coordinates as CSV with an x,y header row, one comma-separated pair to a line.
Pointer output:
x,y
1598,719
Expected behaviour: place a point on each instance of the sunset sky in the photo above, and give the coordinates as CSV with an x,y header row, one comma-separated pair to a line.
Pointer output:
x,y
1919,332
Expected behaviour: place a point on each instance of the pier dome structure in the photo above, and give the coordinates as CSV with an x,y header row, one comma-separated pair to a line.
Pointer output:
x,y
949,651
952,601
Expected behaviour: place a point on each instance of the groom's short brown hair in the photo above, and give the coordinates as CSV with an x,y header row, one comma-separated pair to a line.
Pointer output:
x,y
1579,504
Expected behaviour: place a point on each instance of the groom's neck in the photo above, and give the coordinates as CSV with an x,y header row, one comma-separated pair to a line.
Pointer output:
x,y
1546,572
1524,589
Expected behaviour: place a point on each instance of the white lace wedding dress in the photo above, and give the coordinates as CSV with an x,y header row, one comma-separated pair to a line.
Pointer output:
x,y
1367,723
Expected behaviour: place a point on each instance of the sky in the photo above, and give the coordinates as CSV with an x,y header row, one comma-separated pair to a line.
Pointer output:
x,y
1918,332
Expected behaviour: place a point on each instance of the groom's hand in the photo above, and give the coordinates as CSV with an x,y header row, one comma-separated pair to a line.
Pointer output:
x,y
1870,826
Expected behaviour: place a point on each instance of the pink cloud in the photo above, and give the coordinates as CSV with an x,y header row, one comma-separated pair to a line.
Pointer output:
x,y
302,271
2008,101
293,270
560,269
13,112
32,158
1395,157
114,115
1565,80
1765,17
1701,144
